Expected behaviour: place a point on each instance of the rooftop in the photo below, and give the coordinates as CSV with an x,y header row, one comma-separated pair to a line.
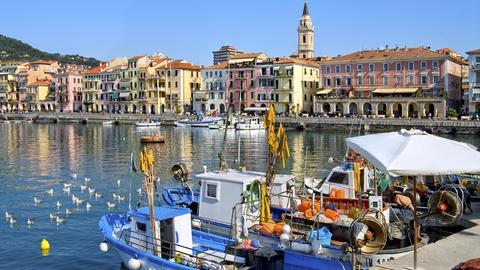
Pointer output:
x,y
305,62
477,51
221,65
396,53
246,55
96,69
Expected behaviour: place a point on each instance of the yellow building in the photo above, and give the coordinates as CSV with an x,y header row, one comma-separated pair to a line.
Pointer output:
x,y
39,98
91,89
151,92
181,80
296,83
8,87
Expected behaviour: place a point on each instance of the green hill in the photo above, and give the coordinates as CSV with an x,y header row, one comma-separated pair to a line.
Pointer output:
x,y
15,50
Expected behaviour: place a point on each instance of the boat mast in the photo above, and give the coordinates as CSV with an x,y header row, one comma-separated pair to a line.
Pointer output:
x,y
147,160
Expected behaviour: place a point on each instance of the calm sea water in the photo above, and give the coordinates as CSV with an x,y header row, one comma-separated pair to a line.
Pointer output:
x,y
37,157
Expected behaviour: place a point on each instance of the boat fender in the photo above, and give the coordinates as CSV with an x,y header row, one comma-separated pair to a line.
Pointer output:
x,y
196,223
104,247
316,246
300,247
286,229
285,238
244,226
282,246
134,264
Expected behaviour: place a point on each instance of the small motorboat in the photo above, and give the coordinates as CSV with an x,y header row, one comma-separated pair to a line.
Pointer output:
x,y
153,139
107,123
148,124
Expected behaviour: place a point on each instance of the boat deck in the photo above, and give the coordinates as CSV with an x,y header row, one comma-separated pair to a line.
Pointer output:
x,y
445,253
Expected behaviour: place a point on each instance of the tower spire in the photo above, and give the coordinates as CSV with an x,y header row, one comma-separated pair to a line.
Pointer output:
x,y
305,9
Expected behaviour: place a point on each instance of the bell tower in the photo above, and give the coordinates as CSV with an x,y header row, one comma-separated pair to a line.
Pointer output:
x,y
305,35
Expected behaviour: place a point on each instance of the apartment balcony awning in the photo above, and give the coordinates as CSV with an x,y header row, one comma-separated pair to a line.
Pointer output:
x,y
123,95
3,95
324,92
364,89
395,90
406,90
384,91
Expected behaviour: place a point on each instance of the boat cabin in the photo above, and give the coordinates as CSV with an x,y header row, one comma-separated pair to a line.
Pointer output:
x,y
221,191
250,123
341,178
173,231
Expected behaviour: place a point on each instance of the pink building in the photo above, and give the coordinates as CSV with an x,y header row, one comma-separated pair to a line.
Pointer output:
x,y
242,80
68,92
406,72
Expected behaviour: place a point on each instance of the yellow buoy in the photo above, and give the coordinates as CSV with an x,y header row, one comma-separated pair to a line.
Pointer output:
x,y
44,247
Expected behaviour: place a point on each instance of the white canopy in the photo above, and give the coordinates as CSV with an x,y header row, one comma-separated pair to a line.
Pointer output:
x,y
414,153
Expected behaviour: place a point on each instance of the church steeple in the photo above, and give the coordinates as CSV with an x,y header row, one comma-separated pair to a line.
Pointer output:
x,y
305,35
305,9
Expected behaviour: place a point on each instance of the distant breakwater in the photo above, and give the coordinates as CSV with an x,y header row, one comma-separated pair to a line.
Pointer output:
x,y
300,123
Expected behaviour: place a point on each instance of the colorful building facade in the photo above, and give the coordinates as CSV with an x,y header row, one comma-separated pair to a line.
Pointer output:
x,y
474,82
68,91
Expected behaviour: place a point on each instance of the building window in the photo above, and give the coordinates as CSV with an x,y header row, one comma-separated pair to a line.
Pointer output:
x,y
337,69
385,80
436,79
289,98
371,67
347,68
371,80
348,81
411,66
385,67
252,95
359,67
176,72
338,82
264,71
305,97
304,83
399,66
290,86
410,79
359,81
304,70
398,80
423,79
327,69
423,65
435,65
276,84
328,82
252,83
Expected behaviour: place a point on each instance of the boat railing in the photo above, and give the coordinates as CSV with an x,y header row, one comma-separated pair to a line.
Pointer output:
x,y
209,225
168,250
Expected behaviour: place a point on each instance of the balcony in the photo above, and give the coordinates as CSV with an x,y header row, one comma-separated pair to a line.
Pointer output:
x,y
476,84
476,66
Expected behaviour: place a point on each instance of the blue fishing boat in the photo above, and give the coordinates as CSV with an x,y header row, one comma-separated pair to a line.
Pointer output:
x,y
172,245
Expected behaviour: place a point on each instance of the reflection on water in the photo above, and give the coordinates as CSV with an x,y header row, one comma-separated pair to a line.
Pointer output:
x,y
34,158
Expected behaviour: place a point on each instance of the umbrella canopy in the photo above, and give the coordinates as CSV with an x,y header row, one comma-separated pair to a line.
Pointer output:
x,y
415,152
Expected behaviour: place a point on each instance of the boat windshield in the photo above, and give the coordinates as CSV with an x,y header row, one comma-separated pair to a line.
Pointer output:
x,y
339,178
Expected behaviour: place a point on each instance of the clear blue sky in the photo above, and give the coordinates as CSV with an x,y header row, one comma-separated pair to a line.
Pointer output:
x,y
192,29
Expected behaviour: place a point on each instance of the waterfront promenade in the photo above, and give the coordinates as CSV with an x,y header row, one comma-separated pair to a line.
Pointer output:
x,y
367,124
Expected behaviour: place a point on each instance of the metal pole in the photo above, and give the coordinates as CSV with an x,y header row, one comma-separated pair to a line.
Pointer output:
x,y
415,222
170,87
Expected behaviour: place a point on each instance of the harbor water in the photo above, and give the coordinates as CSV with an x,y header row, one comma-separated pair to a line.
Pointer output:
x,y
35,158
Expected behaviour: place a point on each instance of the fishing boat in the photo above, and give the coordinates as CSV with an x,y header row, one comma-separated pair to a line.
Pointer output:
x,y
181,123
148,124
153,139
161,237
202,121
224,123
250,123
108,123
331,234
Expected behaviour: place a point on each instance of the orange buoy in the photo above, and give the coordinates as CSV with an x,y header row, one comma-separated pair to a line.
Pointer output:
x,y
331,214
